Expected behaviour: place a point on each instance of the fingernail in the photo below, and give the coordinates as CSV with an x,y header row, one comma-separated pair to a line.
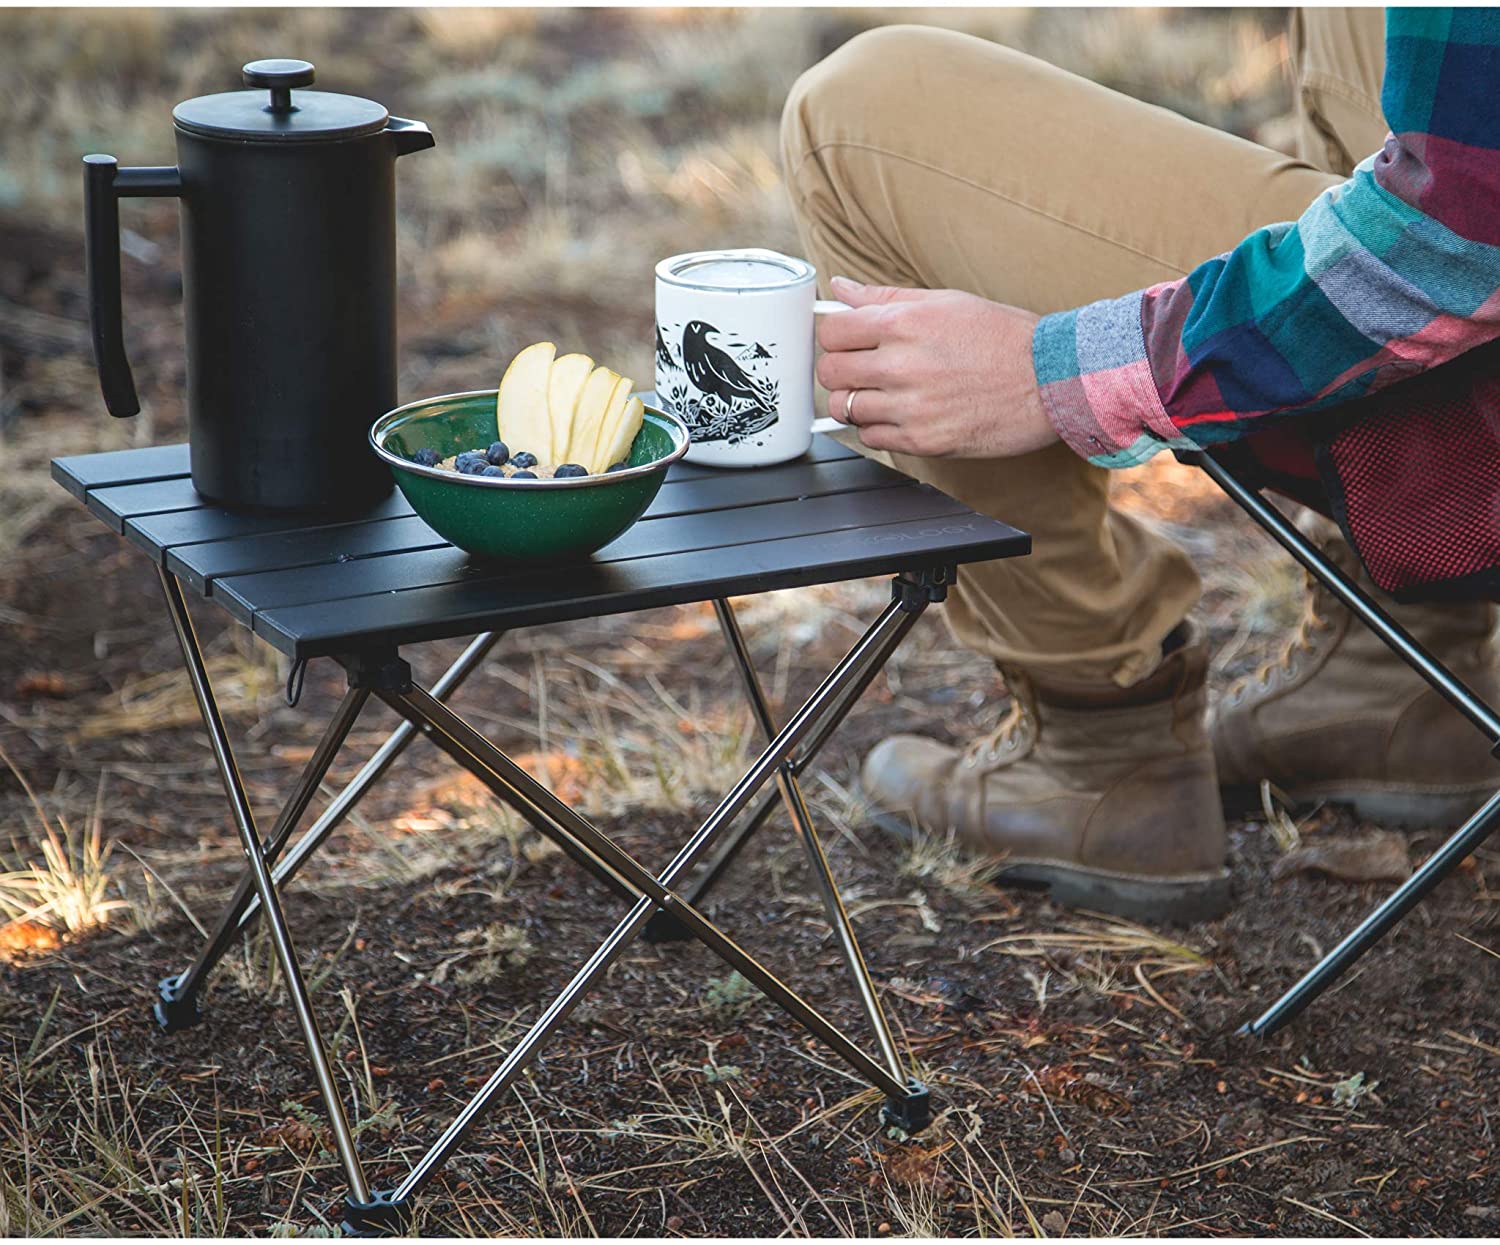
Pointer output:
x,y
848,283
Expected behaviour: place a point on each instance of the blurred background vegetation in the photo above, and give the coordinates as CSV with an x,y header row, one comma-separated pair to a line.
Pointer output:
x,y
575,148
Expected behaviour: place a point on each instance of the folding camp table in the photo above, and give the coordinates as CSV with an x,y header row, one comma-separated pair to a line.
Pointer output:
x,y
358,589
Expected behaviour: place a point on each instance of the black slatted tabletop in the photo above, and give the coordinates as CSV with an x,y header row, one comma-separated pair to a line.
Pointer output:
x,y
312,587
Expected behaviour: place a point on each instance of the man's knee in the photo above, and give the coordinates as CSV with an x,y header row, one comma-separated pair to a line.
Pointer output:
x,y
872,71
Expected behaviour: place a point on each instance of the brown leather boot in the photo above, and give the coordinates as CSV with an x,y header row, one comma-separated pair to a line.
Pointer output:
x,y
1339,717
1104,796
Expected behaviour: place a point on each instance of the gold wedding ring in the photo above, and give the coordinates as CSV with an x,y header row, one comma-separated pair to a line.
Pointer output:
x,y
849,409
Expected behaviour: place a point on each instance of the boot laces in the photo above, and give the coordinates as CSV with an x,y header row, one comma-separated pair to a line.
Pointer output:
x,y
1314,622
1006,737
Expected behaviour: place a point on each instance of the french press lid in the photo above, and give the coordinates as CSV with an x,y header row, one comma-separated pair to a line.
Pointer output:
x,y
276,113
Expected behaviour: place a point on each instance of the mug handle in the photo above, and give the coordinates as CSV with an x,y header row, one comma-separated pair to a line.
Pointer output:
x,y
823,307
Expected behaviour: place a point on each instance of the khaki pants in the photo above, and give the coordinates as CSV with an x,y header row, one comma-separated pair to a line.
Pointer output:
x,y
920,157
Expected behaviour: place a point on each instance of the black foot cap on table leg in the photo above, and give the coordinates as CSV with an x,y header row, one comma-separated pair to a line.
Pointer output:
x,y
912,1113
664,927
382,1215
175,1012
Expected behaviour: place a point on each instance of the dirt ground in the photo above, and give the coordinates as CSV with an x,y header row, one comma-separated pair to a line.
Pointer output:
x,y
1085,1070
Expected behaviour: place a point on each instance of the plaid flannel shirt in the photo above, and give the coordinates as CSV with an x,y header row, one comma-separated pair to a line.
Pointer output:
x,y
1391,273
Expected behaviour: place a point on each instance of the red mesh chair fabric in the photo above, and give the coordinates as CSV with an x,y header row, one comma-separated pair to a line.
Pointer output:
x,y
1413,477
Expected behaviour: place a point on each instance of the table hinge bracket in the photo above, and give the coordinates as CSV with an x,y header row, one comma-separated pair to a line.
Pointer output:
x,y
914,591
382,670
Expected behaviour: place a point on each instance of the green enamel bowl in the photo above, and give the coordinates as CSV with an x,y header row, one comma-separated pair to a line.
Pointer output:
x,y
518,520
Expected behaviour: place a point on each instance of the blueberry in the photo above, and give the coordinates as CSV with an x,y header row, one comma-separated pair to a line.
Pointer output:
x,y
470,463
523,475
425,457
523,459
619,466
568,471
497,454
492,471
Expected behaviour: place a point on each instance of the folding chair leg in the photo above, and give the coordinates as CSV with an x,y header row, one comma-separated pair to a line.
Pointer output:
x,y
801,818
1358,602
177,1006
1407,896
1463,841
286,952
895,620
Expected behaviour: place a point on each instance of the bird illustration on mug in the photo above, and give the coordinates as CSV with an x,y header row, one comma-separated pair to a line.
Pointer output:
x,y
715,387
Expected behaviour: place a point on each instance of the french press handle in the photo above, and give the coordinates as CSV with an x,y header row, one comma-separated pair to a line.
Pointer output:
x,y
105,183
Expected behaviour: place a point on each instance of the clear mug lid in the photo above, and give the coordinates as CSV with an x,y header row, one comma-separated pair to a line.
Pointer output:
x,y
746,270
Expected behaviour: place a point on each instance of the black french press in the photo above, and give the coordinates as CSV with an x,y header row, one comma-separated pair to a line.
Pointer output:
x,y
288,207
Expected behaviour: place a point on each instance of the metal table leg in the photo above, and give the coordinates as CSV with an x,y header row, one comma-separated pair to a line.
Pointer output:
x,y
662,928
386,676
544,809
893,623
797,810
286,952
446,730
177,1005
373,769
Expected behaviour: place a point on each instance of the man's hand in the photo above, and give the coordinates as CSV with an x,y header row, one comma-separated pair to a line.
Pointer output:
x,y
935,373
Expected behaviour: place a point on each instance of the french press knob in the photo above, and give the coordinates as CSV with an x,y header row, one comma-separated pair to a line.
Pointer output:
x,y
279,77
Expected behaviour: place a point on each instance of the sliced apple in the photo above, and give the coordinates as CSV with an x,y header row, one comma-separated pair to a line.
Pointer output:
x,y
521,411
589,415
618,397
568,376
616,447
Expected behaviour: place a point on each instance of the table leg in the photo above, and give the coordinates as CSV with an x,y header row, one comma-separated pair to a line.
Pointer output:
x,y
801,817
177,1006
662,928
543,809
372,771
894,620
286,952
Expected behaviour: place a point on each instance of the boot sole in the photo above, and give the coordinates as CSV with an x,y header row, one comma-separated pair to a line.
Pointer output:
x,y
1179,901
1394,809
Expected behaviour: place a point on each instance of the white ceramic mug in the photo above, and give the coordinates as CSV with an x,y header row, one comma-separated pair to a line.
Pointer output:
x,y
734,354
